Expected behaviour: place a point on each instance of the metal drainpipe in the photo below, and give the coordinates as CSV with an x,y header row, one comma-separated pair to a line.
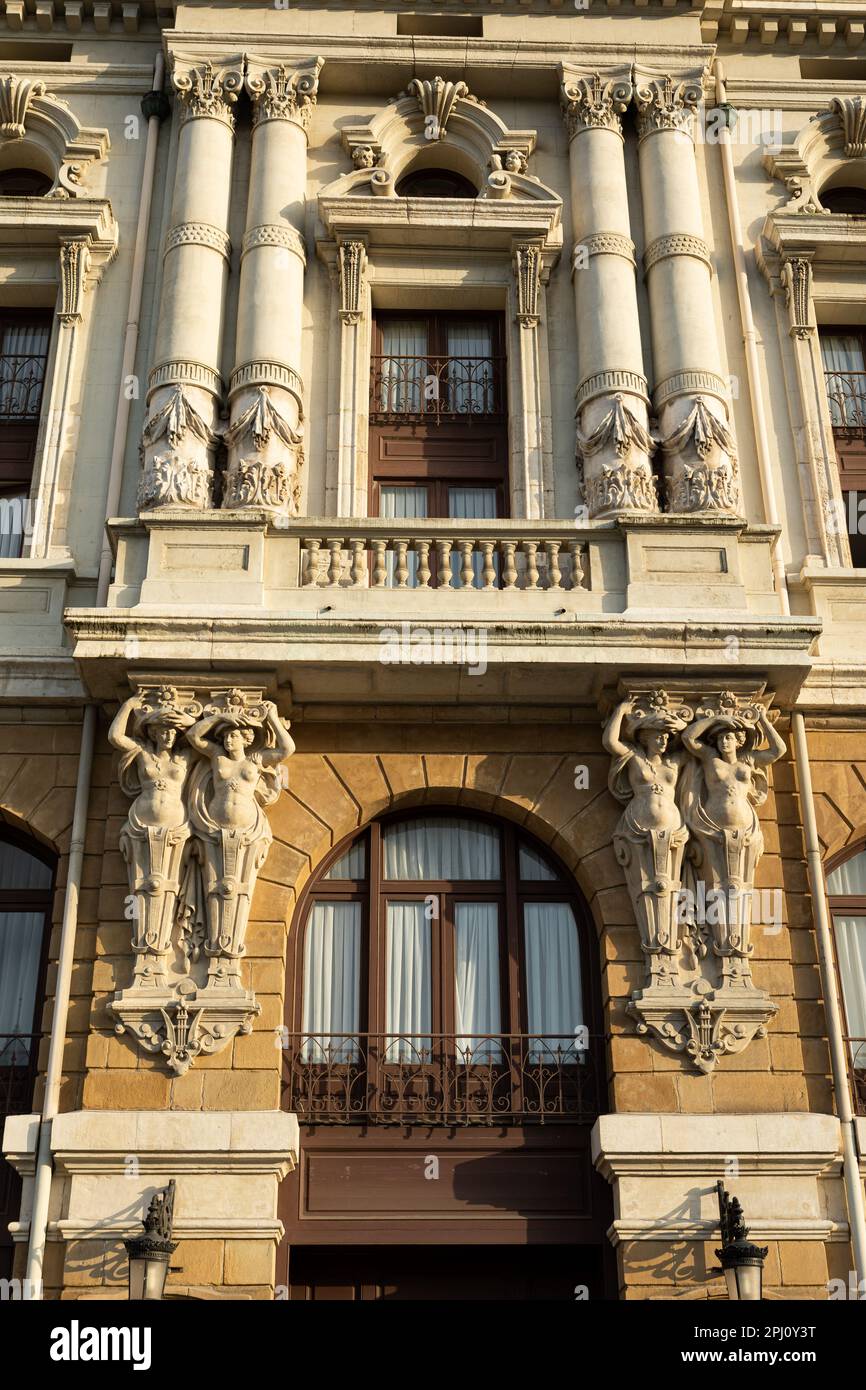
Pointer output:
x,y
155,107
850,1162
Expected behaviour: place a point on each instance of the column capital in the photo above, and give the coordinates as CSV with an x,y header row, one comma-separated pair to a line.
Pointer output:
x,y
283,91
205,89
595,100
666,101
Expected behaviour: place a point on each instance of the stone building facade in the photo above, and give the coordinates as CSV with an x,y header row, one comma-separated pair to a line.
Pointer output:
x,y
433,766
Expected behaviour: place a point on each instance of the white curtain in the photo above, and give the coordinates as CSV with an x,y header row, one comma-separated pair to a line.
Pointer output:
x,y
843,354
533,868
849,879
408,993
397,501
20,953
332,976
470,369
402,378
444,847
476,981
352,864
552,978
471,504
18,869
23,350
851,950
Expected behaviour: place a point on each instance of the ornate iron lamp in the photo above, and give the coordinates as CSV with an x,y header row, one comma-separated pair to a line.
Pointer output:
x,y
742,1262
149,1253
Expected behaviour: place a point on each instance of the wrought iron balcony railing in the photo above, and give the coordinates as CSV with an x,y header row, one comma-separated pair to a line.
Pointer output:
x,y
857,1063
18,1058
846,396
21,381
436,389
442,1079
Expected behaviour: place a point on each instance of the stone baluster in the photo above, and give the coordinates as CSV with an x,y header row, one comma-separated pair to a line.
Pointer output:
x,y
530,550
613,442
358,565
184,385
380,565
422,577
467,569
443,565
335,563
690,395
311,571
554,573
577,552
509,568
401,564
488,568
266,391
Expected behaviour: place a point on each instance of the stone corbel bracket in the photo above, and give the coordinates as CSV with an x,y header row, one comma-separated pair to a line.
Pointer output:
x,y
820,150
47,131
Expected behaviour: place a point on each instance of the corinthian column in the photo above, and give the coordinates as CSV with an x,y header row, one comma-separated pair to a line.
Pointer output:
x,y
613,440
184,387
266,391
690,396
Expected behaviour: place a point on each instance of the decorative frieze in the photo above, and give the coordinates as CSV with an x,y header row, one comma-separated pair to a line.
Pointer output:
x,y
605,244
267,373
352,261
176,447
666,103
283,93
595,102
611,381
527,279
200,770
690,776
199,234
678,244
795,274
284,237
184,373
207,91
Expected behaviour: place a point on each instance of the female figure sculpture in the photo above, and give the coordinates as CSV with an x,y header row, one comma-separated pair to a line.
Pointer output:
x,y
650,837
240,747
154,770
726,782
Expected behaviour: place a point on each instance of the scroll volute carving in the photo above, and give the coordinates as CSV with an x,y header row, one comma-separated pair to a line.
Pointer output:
x,y
691,776
200,768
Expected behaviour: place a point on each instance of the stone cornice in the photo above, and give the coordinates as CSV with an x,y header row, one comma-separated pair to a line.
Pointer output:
x,y
442,223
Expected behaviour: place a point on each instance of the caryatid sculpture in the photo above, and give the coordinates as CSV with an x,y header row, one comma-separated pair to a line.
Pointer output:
x,y
154,767
720,790
241,747
650,838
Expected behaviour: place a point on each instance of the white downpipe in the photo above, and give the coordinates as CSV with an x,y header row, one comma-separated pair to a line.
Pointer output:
x,y
832,1007
750,341
817,886
66,957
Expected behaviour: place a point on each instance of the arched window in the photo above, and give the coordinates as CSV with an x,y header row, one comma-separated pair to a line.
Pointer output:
x,y
26,882
440,970
846,889
24,183
851,201
435,183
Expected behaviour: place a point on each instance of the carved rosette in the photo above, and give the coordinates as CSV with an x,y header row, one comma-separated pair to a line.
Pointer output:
x,y
663,103
283,93
700,461
177,447
596,102
691,776
265,456
207,91
194,842
614,461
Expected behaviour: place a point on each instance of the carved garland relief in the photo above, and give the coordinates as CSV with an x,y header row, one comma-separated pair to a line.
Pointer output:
x,y
199,771
690,777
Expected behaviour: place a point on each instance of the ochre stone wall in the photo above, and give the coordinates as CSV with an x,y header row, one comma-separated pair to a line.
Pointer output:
x,y
342,775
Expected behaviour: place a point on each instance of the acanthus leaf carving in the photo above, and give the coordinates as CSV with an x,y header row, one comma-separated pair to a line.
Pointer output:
x,y
207,90
666,103
795,274
594,102
527,275
16,94
702,473
180,474
437,99
200,770
267,477
615,463
283,93
352,264
852,117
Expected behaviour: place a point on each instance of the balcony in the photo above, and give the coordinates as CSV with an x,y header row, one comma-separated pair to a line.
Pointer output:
x,y
846,397
440,1079
434,390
